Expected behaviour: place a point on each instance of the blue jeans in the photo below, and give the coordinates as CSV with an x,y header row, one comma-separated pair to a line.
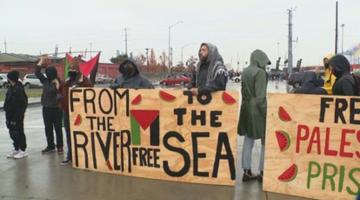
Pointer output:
x,y
247,154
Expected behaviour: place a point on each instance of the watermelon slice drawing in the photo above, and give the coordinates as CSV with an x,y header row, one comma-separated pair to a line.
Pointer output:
x,y
227,98
283,115
78,120
166,96
289,174
136,100
283,139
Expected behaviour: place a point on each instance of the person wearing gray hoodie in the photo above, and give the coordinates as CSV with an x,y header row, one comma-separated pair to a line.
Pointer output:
x,y
211,74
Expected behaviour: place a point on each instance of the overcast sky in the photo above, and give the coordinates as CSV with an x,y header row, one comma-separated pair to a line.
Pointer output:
x,y
237,27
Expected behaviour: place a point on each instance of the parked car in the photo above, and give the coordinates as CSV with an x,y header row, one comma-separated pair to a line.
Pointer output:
x,y
103,79
3,80
30,80
176,80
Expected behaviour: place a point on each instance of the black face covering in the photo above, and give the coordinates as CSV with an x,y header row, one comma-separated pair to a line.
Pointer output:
x,y
327,65
51,73
72,75
128,70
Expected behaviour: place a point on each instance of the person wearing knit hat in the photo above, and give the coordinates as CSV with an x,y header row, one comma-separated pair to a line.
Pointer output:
x,y
15,106
13,76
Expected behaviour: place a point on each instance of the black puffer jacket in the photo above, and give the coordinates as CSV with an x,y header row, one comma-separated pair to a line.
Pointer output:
x,y
345,83
15,103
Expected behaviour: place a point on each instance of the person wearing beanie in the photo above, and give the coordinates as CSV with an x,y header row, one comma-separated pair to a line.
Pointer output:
x,y
52,113
15,106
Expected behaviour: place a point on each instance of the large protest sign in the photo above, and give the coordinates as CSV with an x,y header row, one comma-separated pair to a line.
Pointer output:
x,y
160,134
313,146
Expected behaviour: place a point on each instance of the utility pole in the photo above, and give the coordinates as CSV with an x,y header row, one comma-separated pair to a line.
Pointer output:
x,y
147,56
342,38
90,50
290,42
56,50
336,27
5,45
126,40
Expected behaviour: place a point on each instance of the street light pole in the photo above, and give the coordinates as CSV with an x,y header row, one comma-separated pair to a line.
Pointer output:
x,y
342,38
169,56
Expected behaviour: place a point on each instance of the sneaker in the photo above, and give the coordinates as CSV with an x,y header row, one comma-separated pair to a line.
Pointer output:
x,y
65,162
12,154
48,150
60,150
248,176
260,177
21,154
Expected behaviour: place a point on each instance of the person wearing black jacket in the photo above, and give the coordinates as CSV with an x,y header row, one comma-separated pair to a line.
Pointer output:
x,y
211,74
345,84
131,77
52,113
15,106
311,84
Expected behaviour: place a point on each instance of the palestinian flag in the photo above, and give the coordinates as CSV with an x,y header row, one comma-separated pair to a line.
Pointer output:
x,y
88,68
68,60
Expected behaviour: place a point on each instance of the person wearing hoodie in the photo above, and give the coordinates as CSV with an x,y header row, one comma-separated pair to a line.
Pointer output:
x,y
15,105
131,77
211,74
253,111
345,84
311,84
75,79
52,114
329,78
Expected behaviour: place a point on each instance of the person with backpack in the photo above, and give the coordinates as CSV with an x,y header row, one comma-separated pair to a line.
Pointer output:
x,y
15,105
345,84
52,114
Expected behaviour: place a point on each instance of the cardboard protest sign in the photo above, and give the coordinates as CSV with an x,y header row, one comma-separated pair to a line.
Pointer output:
x,y
313,146
160,134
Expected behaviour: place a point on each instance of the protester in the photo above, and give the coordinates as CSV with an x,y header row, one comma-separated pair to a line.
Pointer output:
x,y
52,114
311,84
345,83
211,74
329,78
253,111
15,105
75,79
131,77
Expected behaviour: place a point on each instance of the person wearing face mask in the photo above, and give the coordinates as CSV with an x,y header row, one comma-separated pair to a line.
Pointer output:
x,y
75,79
131,77
15,106
345,84
52,114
